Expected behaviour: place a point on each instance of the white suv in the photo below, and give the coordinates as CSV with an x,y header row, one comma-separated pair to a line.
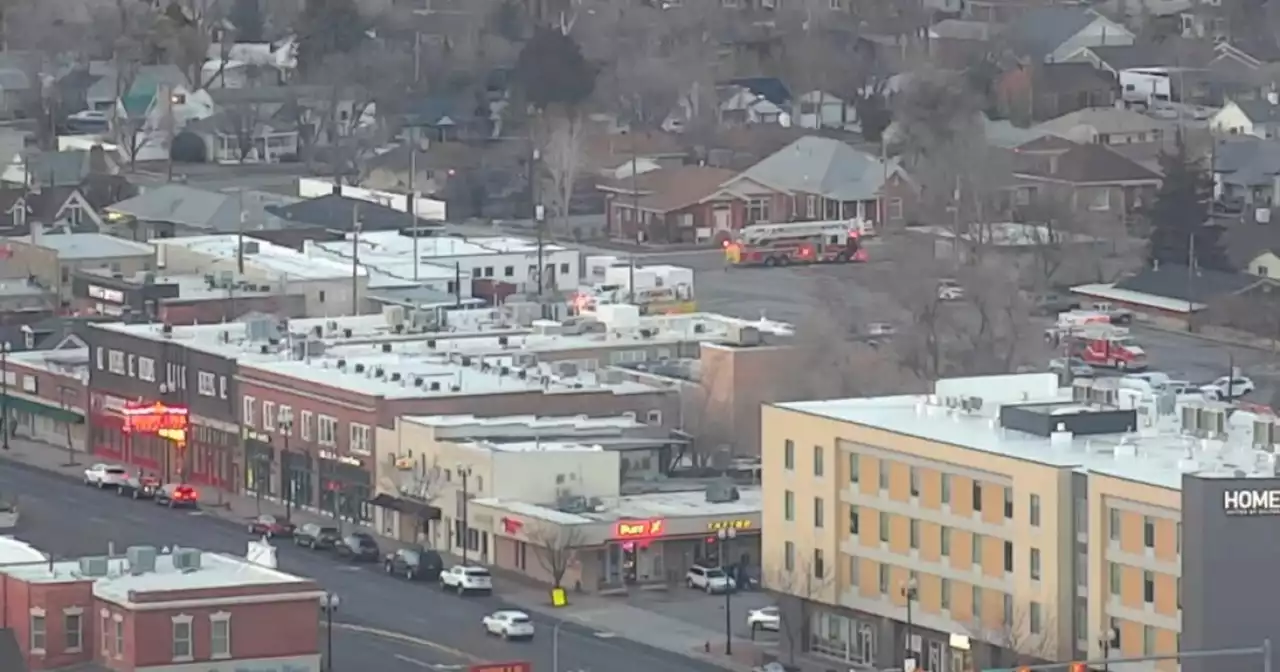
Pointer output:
x,y
710,579
106,476
466,579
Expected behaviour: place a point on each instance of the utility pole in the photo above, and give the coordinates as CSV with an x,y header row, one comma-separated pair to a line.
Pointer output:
x,y
1191,281
538,212
355,259
412,208
240,232
635,207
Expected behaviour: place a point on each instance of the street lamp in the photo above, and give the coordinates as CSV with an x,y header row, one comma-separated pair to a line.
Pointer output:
x,y
725,534
1106,638
4,394
465,473
284,424
909,593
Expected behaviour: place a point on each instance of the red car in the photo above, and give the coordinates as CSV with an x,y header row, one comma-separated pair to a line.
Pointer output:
x,y
270,526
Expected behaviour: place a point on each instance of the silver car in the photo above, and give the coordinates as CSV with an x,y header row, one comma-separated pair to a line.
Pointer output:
x,y
1077,367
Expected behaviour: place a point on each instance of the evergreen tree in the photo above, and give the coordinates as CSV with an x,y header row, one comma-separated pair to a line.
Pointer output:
x,y
1179,216
246,16
328,28
552,71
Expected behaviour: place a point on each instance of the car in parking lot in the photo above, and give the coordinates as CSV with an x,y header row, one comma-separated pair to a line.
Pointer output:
x,y
764,618
1078,368
138,486
1229,387
270,526
466,579
105,475
710,579
414,564
315,535
358,547
509,624
177,496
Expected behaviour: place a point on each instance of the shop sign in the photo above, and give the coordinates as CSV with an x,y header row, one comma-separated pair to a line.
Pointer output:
x,y
168,422
104,294
511,525
716,526
502,667
1247,502
341,459
639,529
255,435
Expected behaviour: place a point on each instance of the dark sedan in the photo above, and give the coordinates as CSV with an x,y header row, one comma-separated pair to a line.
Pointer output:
x,y
315,536
414,564
358,547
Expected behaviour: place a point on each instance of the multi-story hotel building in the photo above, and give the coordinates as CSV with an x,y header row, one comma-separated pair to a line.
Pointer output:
x,y
1007,520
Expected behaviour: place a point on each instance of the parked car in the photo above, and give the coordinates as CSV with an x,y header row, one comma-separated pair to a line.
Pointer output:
x,y
270,526
950,290
1228,386
710,579
313,536
177,496
1050,304
415,564
105,475
138,486
1117,314
1076,366
359,547
509,624
764,618
467,579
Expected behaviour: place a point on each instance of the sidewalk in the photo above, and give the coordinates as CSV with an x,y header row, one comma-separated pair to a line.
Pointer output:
x,y
687,634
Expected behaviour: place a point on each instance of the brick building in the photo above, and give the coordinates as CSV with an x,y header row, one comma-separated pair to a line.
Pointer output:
x,y
45,392
154,611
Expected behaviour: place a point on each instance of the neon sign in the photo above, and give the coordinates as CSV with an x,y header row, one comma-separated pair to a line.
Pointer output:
x,y
167,422
718,525
639,529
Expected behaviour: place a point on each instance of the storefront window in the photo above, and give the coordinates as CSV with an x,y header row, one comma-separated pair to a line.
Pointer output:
x,y
257,468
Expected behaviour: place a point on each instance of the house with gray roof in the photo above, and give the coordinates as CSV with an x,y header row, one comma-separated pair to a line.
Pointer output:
x,y
179,210
1246,171
1053,34
50,259
1259,118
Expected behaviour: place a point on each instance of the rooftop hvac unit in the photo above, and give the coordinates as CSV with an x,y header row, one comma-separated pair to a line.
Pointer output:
x,y
1213,421
743,335
1191,419
566,369
252,247
260,328
719,493
1080,391
1264,434
142,559
394,315
186,559
97,565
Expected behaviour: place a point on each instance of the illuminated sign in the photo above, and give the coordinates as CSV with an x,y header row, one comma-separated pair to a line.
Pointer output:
x,y
718,525
340,459
502,667
1246,502
104,294
639,529
168,422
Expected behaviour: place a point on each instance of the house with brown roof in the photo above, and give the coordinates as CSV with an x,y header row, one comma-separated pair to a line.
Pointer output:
x,y
680,204
1092,178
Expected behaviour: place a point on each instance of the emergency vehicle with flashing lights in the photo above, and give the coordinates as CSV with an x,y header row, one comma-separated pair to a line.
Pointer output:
x,y
1102,345
796,243
659,289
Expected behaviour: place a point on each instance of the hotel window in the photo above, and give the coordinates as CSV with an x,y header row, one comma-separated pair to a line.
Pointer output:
x,y
286,420
181,638
819,564
1178,589
269,415
946,489
328,430
789,506
1007,609
98,355
977,549
115,362
975,600
119,651
106,631
977,496
1113,577
884,474
132,367
789,556
944,542
854,566
789,454
250,405
1113,523
853,519
914,528
1148,532
1177,540
39,632
361,439
304,430
945,594
817,461
1035,618
1008,503
884,527
1148,587
1148,640
1034,510
884,578
854,471
220,635
819,513
72,630
147,369
1008,556
1035,564
206,384
915,482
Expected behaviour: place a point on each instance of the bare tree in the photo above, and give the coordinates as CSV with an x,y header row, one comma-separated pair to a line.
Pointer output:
x,y
556,547
706,420
346,108
65,397
130,35
797,588
561,160
188,32
421,481
1024,639
242,121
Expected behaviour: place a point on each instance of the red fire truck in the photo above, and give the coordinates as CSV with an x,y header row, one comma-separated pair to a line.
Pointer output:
x,y
1103,345
796,243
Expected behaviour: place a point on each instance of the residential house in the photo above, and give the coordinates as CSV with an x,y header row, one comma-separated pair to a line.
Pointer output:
x,y
1174,291
280,56
819,109
1038,92
1246,172
1093,179
1259,118
675,205
229,73
612,151
486,179
442,118
960,41
754,100
1053,34
1172,70
1254,249
60,208
340,213
172,210
17,95
250,125
997,12
1106,126
1242,70
108,88
66,168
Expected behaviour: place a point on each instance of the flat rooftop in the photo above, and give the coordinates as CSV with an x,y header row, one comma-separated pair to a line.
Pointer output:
x,y
680,504
15,551
73,362
1157,455
16,289
275,258
71,246
520,424
216,571
384,246
191,286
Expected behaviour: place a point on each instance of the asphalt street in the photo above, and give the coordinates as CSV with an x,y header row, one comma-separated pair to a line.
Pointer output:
x,y
406,626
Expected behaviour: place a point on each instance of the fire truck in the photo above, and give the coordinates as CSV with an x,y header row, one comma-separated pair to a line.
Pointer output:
x,y
796,243
1102,345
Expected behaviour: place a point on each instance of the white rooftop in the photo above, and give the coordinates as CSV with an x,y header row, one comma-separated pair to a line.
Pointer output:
x,y
523,422
276,258
16,551
638,507
73,362
1157,455
21,288
216,571
191,286
534,446
89,245
384,246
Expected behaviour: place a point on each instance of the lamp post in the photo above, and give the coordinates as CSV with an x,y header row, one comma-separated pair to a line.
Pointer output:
x,y
284,424
725,535
909,593
4,395
1105,638
465,474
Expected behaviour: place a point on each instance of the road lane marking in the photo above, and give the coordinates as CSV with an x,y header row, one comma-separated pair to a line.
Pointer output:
x,y
401,637
414,661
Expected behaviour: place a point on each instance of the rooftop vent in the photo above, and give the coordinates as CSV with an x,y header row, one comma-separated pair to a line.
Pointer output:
x,y
342,364
96,565
395,376
359,368
431,344
743,335
699,328
719,493
167,329
455,388
379,372
435,386
186,559
142,559
466,361
346,333
502,341
417,382
252,247
386,347
1264,434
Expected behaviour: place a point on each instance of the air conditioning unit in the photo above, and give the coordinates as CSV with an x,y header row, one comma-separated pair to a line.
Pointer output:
x,y
1080,391
1191,419
1213,421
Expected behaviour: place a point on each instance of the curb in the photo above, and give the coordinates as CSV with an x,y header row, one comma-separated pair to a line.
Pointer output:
x,y
1220,340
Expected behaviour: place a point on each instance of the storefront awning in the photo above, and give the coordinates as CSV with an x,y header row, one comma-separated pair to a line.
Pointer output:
x,y
22,405
406,506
